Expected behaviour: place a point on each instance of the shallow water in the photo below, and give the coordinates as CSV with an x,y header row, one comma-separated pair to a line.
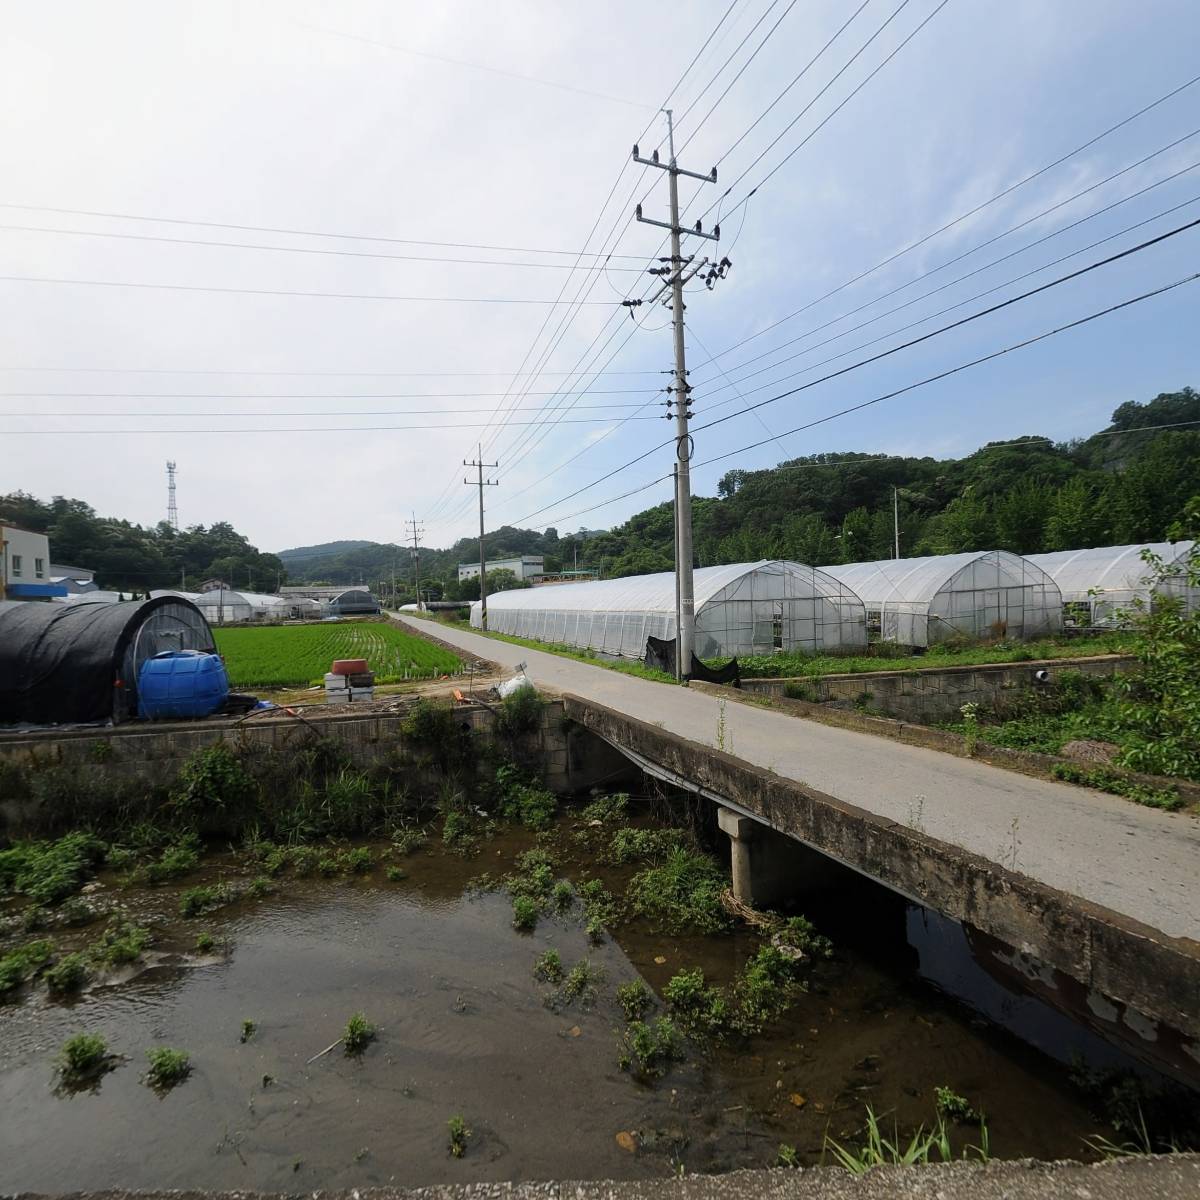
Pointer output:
x,y
465,1028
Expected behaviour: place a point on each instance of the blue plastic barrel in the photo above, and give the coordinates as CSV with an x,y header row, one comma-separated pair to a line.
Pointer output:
x,y
181,683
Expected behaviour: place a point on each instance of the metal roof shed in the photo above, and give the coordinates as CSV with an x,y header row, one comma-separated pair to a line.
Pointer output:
x,y
923,601
742,608
79,663
1104,583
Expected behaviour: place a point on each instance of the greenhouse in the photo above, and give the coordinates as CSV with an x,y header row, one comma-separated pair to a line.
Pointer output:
x,y
352,602
743,608
1104,584
76,663
980,594
224,607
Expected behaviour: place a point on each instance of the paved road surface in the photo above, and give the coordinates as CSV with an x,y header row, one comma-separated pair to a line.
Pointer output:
x,y
1138,861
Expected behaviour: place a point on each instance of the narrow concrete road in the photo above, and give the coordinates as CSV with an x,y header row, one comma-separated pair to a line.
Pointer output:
x,y
1140,862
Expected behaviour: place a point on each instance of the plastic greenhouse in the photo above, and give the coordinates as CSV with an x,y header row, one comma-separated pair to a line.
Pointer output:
x,y
1101,585
923,601
224,607
743,608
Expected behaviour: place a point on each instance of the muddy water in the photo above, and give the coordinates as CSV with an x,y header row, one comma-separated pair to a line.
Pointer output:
x,y
465,1028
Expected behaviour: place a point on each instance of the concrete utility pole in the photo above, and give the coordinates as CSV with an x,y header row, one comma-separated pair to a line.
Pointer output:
x,y
414,531
481,483
686,627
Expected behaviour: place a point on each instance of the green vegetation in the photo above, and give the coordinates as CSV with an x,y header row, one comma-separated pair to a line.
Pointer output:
x,y
357,861
177,859
395,874
205,942
1104,780
525,913
459,1134
606,809
954,1107
167,1067
248,1028
197,901
764,989
683,893
359,1032
651,1048
581,982
699,1010
922,1147
643,845
121,942
298,655
635,999
521,798
49,872
213,777
18,965
787,1156
82,1057
519,713
548,967
67,975
600,907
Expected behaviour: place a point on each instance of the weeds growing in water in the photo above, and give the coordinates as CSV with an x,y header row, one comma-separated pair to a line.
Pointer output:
x,y
18,965
650,1049
357,861
700,1010
525,913
643,845
764,989
205,942
787,1156
954,1107
359,1032
395,874
606,809
459,1131
635,999
248,1028
259,887
600,906
581,982
82,1057
121,942
167,1067
177,859
67,975
548,967
922,1147
197,901
521,798
408,839
562,895
681,894
49,872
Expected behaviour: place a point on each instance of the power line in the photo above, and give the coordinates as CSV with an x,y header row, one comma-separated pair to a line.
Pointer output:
x,y
303,374
430,258
314,395
232,291
336,412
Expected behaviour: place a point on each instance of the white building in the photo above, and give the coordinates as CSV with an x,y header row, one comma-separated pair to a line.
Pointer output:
x,y
74,579
25,565
528,566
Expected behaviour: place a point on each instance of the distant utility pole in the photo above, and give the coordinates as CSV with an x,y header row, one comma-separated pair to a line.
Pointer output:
x,y
681,399
481,483
172,511
415,530
896,518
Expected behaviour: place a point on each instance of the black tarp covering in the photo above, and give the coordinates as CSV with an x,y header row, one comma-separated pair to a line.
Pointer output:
x,y
660,654
65,663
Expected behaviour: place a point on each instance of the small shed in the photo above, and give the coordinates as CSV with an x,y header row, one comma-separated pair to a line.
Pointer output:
x,y
979,594
79,663
1104,584
742,608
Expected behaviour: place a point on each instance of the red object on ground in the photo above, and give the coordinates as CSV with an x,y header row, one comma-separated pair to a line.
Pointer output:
x,y
349,666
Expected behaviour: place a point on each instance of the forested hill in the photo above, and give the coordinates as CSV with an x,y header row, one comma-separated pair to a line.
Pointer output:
x,y
1127,483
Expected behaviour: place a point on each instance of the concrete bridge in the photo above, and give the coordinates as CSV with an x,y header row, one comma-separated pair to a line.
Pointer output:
x,y
1090,884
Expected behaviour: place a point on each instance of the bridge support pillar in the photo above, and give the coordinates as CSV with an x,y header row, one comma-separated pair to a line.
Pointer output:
x,y
769,867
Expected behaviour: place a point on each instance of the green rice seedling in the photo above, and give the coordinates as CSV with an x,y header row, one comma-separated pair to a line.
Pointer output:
x,y
82,1057
459,1134
67,975
650,1049
395,874
248,1028
548,967
700,1010
121,942
525,913
197,901
205,942
581,982
167,1067
359,1032
635,999
683,893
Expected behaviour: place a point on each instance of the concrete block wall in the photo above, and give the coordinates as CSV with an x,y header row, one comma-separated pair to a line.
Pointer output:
x,y
931,695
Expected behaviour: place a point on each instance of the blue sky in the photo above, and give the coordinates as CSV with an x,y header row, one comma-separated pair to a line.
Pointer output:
x,y
270,117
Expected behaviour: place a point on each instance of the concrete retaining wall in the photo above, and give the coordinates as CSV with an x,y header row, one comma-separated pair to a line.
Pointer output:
x,y
929,695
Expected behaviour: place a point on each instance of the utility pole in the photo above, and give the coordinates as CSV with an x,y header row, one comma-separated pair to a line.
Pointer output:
x,y
172,510
481,483
415,530
896,518
680,392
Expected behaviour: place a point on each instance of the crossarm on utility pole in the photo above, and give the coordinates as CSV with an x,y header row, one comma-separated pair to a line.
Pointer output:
x,y
481,483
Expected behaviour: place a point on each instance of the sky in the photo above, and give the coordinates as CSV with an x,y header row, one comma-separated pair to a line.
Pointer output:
x,y
225,156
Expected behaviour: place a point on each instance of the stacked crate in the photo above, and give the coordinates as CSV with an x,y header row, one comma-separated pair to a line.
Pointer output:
x,y
349,680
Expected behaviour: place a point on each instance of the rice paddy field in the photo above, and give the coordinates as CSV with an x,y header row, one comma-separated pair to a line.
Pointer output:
x,y
297,655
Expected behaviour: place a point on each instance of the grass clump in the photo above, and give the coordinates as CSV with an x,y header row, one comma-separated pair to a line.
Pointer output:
x,y
121,942
205,942
764,989
49,872
359,1032
600,907
174,861
643,845
954,1107
924,1146
521,799
167,1067
581,982
395,874
18,965
197,901
548,967
606,809
357,861
459,1135
800,935
635,999
681,894
408,839
699,1009
1168,798
649,1049
519,713
82,1057
525,913
67,975
562,895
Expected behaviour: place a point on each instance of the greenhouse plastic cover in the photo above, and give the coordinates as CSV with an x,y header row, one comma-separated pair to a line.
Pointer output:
x,y
1117,571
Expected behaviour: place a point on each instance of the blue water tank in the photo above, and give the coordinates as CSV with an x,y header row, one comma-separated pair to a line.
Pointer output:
x,y
181,683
